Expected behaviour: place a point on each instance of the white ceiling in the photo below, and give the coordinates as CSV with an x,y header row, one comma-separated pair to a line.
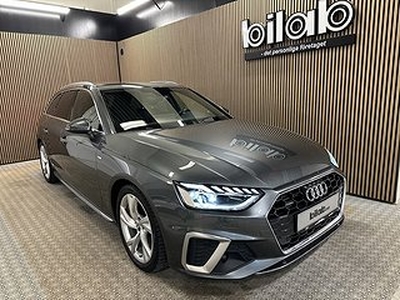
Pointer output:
x,y
107,6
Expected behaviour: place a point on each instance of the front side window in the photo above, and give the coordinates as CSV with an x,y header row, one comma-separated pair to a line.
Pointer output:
x,y
84,108
145,108
61,106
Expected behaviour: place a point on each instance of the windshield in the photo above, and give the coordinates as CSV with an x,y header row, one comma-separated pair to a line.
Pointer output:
x,y
133,108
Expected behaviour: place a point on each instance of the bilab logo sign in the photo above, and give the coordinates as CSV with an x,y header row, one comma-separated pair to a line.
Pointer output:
x,y
323,19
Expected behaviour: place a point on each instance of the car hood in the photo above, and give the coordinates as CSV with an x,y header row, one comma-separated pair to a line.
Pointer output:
x,y
229,152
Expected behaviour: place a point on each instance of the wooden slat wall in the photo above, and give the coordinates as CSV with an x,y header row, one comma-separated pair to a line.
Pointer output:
x,y
32,68
346,98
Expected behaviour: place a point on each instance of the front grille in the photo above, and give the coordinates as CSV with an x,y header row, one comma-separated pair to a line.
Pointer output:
x,y
200,251
283,214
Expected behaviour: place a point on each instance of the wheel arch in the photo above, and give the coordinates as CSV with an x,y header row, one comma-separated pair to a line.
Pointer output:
x,y
38,142
115,188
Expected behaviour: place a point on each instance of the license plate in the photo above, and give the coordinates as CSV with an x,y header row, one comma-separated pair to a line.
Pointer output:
x,y
317,212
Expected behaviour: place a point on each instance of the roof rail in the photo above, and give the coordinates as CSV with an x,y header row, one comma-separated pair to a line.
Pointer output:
x,y
85,84
164,82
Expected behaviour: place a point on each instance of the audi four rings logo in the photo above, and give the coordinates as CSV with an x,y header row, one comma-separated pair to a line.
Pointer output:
x,y
317,191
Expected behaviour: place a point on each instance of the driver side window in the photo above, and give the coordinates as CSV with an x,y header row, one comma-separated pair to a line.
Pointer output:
x,y
84,108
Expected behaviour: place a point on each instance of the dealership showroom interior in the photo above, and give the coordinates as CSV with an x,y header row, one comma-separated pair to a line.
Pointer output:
x,y
199,149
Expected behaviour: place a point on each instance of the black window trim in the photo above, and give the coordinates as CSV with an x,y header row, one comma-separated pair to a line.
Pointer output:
x,y
78,89
95,106
50,103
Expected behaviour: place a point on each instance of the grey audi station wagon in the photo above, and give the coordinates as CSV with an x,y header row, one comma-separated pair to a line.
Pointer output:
x,y
189,186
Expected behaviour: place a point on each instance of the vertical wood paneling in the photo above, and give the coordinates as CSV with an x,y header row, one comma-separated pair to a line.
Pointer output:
x,y
32,68
346,98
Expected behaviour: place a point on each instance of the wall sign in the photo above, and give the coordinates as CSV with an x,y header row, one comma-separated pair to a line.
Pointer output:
x,y
325,18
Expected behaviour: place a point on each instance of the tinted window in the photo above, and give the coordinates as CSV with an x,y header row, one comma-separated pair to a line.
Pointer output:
x,y
84,108
124,108
191,105
61,106
144,108
51,110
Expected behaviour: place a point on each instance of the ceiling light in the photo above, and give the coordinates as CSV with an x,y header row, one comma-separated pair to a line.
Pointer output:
x,y
147,12
29,12
130,6
34,6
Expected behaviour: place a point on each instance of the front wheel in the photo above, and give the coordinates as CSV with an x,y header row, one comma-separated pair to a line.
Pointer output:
x,y
45,165
140,231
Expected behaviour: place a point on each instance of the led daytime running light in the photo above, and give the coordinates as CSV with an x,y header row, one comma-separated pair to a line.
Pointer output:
x,y
213,197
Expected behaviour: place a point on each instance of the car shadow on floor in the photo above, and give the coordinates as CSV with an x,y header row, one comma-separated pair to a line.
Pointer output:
x,y
195,286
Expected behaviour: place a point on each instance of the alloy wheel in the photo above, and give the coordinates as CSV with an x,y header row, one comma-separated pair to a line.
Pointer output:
x,y
44,163
136,228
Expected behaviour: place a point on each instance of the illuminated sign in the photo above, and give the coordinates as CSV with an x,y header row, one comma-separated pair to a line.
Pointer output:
x,y
332,18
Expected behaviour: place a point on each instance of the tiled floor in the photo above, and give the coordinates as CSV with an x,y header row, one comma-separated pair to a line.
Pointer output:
x,y
53,247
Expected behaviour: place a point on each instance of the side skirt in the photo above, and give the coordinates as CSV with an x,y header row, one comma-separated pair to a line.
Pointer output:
x,y
86,201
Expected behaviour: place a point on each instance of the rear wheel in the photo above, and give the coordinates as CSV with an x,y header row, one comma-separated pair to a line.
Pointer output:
x,y
45,165
140,231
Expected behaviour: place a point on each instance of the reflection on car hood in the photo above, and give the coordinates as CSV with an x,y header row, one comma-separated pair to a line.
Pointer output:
x,y
226,152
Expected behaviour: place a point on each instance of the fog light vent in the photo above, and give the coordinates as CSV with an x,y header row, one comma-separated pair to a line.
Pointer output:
x,y
200,251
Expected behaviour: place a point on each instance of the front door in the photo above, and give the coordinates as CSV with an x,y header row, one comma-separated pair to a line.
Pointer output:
x,y
83,150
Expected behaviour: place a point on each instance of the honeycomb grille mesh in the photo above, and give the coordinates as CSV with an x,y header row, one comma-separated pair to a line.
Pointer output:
x,y
283,214
200,251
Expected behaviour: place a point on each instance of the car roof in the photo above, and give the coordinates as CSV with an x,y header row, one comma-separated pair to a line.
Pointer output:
x,y
110,86
151,84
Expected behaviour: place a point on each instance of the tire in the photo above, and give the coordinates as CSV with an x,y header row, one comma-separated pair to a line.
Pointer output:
x,y
140,231
45,165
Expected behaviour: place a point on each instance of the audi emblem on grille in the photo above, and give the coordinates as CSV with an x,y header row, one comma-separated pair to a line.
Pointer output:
x,y
316,191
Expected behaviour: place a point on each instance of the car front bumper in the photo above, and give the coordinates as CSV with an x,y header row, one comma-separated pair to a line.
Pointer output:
x,y
219,266
226,245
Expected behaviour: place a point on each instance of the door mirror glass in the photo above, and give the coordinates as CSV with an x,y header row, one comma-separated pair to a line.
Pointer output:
x,y
80,125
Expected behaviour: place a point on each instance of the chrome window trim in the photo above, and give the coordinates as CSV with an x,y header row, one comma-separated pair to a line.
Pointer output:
x,y
56,118
311,238
214,259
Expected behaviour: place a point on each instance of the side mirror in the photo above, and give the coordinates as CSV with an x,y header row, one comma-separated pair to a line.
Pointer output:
x,y
80,125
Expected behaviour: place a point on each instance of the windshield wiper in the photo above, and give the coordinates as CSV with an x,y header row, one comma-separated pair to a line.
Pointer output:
x,y
144,127
209,119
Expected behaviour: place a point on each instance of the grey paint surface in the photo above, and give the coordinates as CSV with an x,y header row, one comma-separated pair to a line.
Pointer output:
x,y
227,152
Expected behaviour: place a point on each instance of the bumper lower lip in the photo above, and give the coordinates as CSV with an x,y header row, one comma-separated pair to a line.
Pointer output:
x,y
257,266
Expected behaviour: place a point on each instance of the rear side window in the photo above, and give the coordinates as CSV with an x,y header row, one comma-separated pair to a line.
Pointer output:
x,y
61,106
51,110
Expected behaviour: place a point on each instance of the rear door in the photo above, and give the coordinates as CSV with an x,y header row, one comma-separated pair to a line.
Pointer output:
x,y
58,116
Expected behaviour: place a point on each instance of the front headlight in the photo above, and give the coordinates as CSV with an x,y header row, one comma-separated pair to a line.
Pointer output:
x,y
214,197
332,159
